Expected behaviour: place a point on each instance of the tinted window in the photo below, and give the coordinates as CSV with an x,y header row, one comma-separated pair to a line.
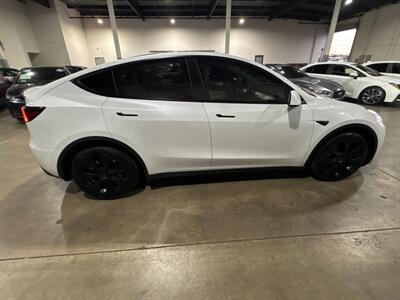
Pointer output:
x,y
368,70
318,69
379,67
231,81
100,83
40,75
343,70
155,80
396,68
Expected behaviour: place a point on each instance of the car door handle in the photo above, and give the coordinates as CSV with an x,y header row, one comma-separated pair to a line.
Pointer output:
x,y
224,116
126,115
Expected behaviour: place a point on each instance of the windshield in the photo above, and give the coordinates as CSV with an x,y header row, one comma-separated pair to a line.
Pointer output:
x,y
290,72
368,70
40,75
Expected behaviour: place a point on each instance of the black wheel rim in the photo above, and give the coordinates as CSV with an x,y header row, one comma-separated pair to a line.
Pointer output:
x,y
372,96
104,174
343,158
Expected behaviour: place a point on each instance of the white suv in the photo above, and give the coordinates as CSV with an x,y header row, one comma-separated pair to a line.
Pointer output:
x,y
360,82
116,126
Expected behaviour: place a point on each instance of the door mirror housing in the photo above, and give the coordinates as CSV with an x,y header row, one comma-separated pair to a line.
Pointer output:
x,y
295,98
354,75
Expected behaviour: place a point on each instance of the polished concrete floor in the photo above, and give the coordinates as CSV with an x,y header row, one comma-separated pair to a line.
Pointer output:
x,y
281,238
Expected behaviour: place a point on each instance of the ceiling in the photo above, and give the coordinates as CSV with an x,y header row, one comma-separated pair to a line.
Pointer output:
x,y
307,10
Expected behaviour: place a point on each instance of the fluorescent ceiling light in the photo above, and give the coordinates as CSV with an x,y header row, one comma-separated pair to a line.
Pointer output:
x,y
172,21
100,21
241,21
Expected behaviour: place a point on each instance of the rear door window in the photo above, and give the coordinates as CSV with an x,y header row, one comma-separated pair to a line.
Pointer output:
x,y
319,69
379,67
165,79
396,68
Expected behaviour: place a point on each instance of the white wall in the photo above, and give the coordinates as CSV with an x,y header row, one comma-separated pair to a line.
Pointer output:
x,y
49,36
16,33
379,34
74,36
279,41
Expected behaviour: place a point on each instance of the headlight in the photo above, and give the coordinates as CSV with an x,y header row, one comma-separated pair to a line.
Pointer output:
x,y
396,85
320,90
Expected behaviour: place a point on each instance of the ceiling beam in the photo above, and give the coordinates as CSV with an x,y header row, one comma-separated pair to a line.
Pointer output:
x,y
134,5
213,6
43,2
284,9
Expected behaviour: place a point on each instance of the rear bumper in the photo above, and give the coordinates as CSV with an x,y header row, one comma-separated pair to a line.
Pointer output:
x,y
46,160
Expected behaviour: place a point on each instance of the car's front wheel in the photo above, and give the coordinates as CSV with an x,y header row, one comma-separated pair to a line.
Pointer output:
x,y
104,172
373,95
339,157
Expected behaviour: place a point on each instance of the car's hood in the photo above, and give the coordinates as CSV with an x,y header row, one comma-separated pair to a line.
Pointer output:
x,y
387,78
309,81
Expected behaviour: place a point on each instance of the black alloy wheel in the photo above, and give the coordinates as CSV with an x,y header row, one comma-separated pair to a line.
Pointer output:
x,y
372,96
104,172
340,157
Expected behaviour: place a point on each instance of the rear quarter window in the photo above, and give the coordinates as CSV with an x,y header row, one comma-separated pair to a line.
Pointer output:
x,y
99,83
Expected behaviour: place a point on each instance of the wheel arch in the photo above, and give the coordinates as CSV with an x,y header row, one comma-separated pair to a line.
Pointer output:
x,y
362,89
367,132
66,156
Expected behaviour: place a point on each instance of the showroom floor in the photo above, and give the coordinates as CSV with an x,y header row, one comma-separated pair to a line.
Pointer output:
x,y
269,239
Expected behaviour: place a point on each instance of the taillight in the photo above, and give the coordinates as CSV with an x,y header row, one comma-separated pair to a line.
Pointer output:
x,y
30,112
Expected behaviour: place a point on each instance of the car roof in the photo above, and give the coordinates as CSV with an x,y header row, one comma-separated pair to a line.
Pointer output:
x,y
153,56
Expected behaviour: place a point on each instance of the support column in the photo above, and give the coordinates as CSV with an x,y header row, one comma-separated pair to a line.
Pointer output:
x,y
228,25
114,28
332,29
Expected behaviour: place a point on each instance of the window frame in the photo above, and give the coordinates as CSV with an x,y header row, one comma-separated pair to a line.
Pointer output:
x,y
317,65
207,96
388,67
330,70
189,78
391,69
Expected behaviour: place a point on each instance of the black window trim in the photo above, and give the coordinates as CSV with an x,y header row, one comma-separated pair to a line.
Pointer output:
x,y
199,90
207,97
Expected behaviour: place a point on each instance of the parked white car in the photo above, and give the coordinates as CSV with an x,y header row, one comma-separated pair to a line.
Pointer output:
x,y
389,68
360,82
115,126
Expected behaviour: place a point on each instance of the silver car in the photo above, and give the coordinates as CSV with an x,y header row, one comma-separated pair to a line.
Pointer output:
x,y
317,86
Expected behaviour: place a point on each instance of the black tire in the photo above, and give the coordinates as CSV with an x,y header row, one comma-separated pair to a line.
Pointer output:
x,y
339,157
104,172
373,95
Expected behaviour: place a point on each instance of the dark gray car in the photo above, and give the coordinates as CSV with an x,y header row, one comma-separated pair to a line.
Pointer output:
x,y
318,86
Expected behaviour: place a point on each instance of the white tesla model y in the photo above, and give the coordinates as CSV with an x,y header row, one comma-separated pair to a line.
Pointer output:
x,y
115,126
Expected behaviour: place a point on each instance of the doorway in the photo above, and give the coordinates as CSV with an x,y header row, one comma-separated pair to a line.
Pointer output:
x,y
342,44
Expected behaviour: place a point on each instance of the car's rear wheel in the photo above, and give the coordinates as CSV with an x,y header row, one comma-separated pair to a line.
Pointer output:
x,y
373,95
340,157
104,172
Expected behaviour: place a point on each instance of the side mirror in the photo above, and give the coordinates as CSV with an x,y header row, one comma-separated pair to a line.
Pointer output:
x,y
354,75
295,99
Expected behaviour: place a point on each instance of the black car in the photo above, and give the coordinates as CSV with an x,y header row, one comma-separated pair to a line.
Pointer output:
x,y
317,86
27,78
7,76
